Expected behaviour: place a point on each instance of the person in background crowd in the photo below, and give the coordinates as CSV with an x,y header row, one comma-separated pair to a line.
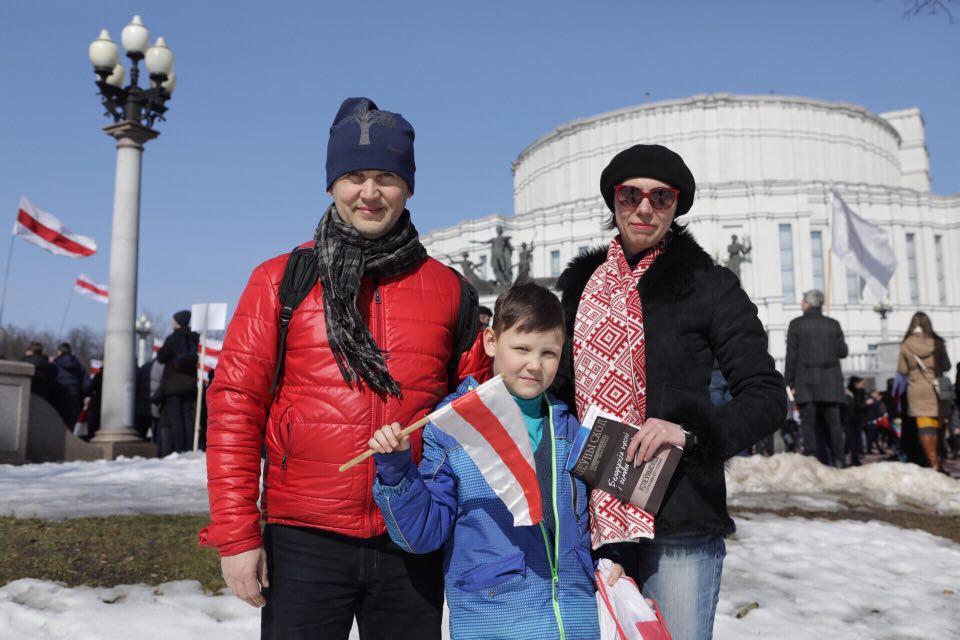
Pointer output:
x,y
94,402
923,358
876,418
485,315
324,558
815,346
858,403
161,425
953,424
71,386
143,408
43,371
179,385
655,300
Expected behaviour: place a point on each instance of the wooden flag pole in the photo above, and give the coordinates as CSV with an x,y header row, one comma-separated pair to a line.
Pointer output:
x,y
369,452
201,366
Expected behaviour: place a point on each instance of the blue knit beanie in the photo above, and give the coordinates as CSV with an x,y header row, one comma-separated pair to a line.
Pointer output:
x,y
363,137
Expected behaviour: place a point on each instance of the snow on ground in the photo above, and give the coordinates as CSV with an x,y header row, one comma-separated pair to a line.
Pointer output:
x,y
821,579
177,484
793,480
811,578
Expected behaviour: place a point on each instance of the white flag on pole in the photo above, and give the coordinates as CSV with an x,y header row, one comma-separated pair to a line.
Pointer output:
x,y
863,247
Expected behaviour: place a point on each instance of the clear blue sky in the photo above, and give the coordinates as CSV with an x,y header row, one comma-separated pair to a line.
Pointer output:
x,y
237,174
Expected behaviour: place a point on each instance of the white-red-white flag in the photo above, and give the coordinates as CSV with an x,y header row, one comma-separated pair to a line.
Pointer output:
x,y
87,287
96,366
212,354
46,231
157,343
489,425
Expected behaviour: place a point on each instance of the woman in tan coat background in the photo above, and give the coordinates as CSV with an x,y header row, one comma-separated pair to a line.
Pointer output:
x,y
923,357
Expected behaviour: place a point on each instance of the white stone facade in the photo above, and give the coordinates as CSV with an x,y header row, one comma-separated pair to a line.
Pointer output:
x,y
762,166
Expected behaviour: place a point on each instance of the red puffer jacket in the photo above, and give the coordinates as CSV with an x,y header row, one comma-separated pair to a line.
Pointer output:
x,y
316,422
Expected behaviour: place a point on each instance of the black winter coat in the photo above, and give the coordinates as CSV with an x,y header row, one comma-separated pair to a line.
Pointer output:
x,y
694,311
71,386
178,383
815,346
43,376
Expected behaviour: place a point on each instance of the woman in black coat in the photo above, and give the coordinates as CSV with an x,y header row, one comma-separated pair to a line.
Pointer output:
x,y
646,317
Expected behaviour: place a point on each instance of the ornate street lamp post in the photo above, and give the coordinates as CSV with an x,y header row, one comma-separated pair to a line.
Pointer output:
x,y
134,111
882,310
143,329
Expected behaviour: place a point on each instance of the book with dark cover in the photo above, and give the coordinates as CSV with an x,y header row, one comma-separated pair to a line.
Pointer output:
x,y
602,464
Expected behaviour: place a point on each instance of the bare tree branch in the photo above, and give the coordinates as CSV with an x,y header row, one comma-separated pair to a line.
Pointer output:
x,y
928,7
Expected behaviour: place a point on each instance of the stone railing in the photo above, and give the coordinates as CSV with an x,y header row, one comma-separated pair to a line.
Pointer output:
x,y
15,378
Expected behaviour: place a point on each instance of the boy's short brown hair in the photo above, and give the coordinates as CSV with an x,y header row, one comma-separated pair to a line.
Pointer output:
x,y
529,307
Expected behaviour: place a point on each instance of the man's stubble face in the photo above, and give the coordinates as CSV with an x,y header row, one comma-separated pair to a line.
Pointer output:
x,y
370,201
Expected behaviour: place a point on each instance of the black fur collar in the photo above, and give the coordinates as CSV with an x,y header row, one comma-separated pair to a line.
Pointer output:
x,y
669,279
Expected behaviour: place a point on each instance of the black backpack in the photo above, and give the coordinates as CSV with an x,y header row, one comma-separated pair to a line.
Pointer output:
x,y
185,356
302,273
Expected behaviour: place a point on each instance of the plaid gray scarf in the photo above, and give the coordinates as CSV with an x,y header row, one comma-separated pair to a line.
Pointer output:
x,y
343,258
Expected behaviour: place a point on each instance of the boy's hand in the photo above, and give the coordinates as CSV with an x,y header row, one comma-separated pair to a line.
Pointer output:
x,y
387,439
616,572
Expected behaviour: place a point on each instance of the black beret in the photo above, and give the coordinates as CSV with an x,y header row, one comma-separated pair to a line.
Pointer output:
x,y
649,161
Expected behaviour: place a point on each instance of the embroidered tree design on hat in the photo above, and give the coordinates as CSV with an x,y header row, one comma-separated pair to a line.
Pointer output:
x,y
366,117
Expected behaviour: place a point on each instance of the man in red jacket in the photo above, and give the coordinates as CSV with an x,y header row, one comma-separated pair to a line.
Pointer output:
x,y
371,344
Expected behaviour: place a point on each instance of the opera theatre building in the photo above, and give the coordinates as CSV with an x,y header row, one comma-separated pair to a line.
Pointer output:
x,y
763,166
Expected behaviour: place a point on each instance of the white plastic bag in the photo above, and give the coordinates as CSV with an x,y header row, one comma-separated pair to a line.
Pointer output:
x,y
81,429
624,613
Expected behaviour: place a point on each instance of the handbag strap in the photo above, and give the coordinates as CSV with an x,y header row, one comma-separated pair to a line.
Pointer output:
x,y
933,382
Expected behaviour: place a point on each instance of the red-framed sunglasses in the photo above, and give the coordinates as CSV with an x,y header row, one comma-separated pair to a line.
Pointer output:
x,y
660,197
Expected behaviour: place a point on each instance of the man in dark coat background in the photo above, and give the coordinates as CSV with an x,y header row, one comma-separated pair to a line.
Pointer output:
x,y
43,371
815,346
71,384
179,384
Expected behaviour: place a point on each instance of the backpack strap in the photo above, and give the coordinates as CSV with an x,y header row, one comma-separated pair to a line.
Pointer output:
x,y
299,278
465,331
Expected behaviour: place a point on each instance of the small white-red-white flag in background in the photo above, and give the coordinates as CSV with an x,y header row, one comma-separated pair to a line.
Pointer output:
x,y
87,287
157,343
44,230
96,366
489,425
212,355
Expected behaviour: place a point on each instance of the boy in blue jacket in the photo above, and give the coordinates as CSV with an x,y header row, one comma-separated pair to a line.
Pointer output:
x,y
502,581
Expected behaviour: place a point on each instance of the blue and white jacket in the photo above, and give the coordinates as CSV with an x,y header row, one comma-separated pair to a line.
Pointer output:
x,y
502,581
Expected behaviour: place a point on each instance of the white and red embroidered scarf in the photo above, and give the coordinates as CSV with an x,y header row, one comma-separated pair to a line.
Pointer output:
x,y
610,370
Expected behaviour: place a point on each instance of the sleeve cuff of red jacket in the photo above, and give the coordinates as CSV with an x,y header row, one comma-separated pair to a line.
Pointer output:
x,y
230,548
